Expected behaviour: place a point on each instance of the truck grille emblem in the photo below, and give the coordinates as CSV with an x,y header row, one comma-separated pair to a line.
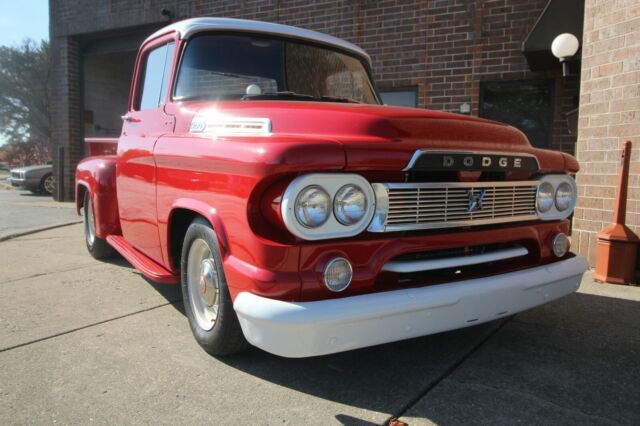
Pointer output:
x,y
475,200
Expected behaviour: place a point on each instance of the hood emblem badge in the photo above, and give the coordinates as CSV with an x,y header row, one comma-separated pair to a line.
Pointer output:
x,y
475,200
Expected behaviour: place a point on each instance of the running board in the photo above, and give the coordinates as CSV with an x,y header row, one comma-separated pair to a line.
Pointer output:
x,y
408,266
142,263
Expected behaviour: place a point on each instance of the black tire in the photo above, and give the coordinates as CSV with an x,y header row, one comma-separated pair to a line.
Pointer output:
x,y
98,247
225,337
46,187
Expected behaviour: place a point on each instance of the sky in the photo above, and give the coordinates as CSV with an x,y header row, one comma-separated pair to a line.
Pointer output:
x,y
20,19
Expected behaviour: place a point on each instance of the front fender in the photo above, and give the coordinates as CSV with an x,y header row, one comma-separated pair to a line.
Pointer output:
x,y
97,175
208,212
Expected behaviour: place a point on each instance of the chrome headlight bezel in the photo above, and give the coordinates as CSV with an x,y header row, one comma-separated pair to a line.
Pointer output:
x,y
331,184
554,213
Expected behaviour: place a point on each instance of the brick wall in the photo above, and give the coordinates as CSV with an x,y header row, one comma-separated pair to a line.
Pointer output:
x,y
66,110
609,115
443,48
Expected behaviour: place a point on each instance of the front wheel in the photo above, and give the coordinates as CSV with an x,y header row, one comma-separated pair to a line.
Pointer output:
x,y
207,301
98,247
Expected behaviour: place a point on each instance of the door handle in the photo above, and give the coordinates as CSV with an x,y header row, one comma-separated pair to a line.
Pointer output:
x,y
130,118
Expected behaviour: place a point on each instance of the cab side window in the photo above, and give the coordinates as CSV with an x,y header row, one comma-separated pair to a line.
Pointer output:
x,y
157,68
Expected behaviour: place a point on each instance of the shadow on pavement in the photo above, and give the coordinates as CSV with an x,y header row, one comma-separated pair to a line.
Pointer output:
x,y
35,195
577,358
171,292
384,379
345,419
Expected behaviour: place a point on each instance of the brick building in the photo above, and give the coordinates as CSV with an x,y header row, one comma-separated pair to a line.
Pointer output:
x,y
609,115
453,55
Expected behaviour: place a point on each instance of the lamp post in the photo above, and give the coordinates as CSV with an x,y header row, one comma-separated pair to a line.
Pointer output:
x,y
564,47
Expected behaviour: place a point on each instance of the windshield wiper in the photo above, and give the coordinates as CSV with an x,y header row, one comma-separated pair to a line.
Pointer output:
x,y
286,95
279,95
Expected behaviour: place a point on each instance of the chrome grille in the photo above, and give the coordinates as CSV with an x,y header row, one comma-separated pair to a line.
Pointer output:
x,y
444,205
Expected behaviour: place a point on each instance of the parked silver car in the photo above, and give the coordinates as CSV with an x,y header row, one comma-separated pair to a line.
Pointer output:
x,y
37,179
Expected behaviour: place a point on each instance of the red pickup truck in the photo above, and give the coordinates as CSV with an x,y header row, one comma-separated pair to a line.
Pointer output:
x,y
258,167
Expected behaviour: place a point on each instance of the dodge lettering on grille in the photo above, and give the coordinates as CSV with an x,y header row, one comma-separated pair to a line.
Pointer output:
x,y
472,161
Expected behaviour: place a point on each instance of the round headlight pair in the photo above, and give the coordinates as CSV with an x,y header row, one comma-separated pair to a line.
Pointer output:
x,y
313,205
547,196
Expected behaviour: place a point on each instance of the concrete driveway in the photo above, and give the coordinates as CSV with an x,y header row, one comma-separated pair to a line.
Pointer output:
x,y
83,341
22,211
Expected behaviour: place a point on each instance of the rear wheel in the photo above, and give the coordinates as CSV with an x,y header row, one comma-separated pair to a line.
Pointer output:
x,y
98,247
47,184
207,301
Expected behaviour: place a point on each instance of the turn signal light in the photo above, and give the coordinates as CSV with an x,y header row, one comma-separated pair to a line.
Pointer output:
x,y
338,274
560,245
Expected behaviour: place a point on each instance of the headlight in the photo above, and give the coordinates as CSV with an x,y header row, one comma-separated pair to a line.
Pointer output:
x,y
556,197
312,206
350,204
564,196
321,206
544,197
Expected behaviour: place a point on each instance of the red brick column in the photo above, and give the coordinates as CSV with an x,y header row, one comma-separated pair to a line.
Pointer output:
x,y
66,114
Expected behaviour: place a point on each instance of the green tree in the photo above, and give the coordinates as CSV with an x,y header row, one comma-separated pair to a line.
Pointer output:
x,y
24,96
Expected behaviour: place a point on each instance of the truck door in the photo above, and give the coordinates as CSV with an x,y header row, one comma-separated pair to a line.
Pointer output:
x,y
143,124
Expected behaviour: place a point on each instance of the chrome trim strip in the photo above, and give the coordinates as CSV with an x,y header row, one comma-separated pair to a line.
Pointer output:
x,y
230,126
188,27
456,224
427,185
420,152
403,267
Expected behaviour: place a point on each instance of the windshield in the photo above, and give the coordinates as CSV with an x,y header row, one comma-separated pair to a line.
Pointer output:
x,y
219,66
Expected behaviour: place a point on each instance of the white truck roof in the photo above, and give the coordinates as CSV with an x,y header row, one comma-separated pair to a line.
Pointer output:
x,y
188,27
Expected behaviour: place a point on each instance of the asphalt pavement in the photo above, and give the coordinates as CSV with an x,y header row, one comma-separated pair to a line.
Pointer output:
x,y
23,211
83,341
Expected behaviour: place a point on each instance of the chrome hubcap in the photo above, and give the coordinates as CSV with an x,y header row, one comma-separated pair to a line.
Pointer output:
x,y
49,185
208,282
90,227
203,284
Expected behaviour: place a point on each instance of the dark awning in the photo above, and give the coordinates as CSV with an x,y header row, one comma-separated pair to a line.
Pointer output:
x,y
117,41
558,16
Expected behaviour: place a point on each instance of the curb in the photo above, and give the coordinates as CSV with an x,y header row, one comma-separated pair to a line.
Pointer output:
x,y
30,231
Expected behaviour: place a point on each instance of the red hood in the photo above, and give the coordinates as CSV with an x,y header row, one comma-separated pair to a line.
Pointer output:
x,y
384,137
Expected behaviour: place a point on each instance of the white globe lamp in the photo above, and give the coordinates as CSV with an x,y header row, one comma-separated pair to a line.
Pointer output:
x,y
564,47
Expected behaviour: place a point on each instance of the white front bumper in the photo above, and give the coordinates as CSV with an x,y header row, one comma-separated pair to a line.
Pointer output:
x,y
302,329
